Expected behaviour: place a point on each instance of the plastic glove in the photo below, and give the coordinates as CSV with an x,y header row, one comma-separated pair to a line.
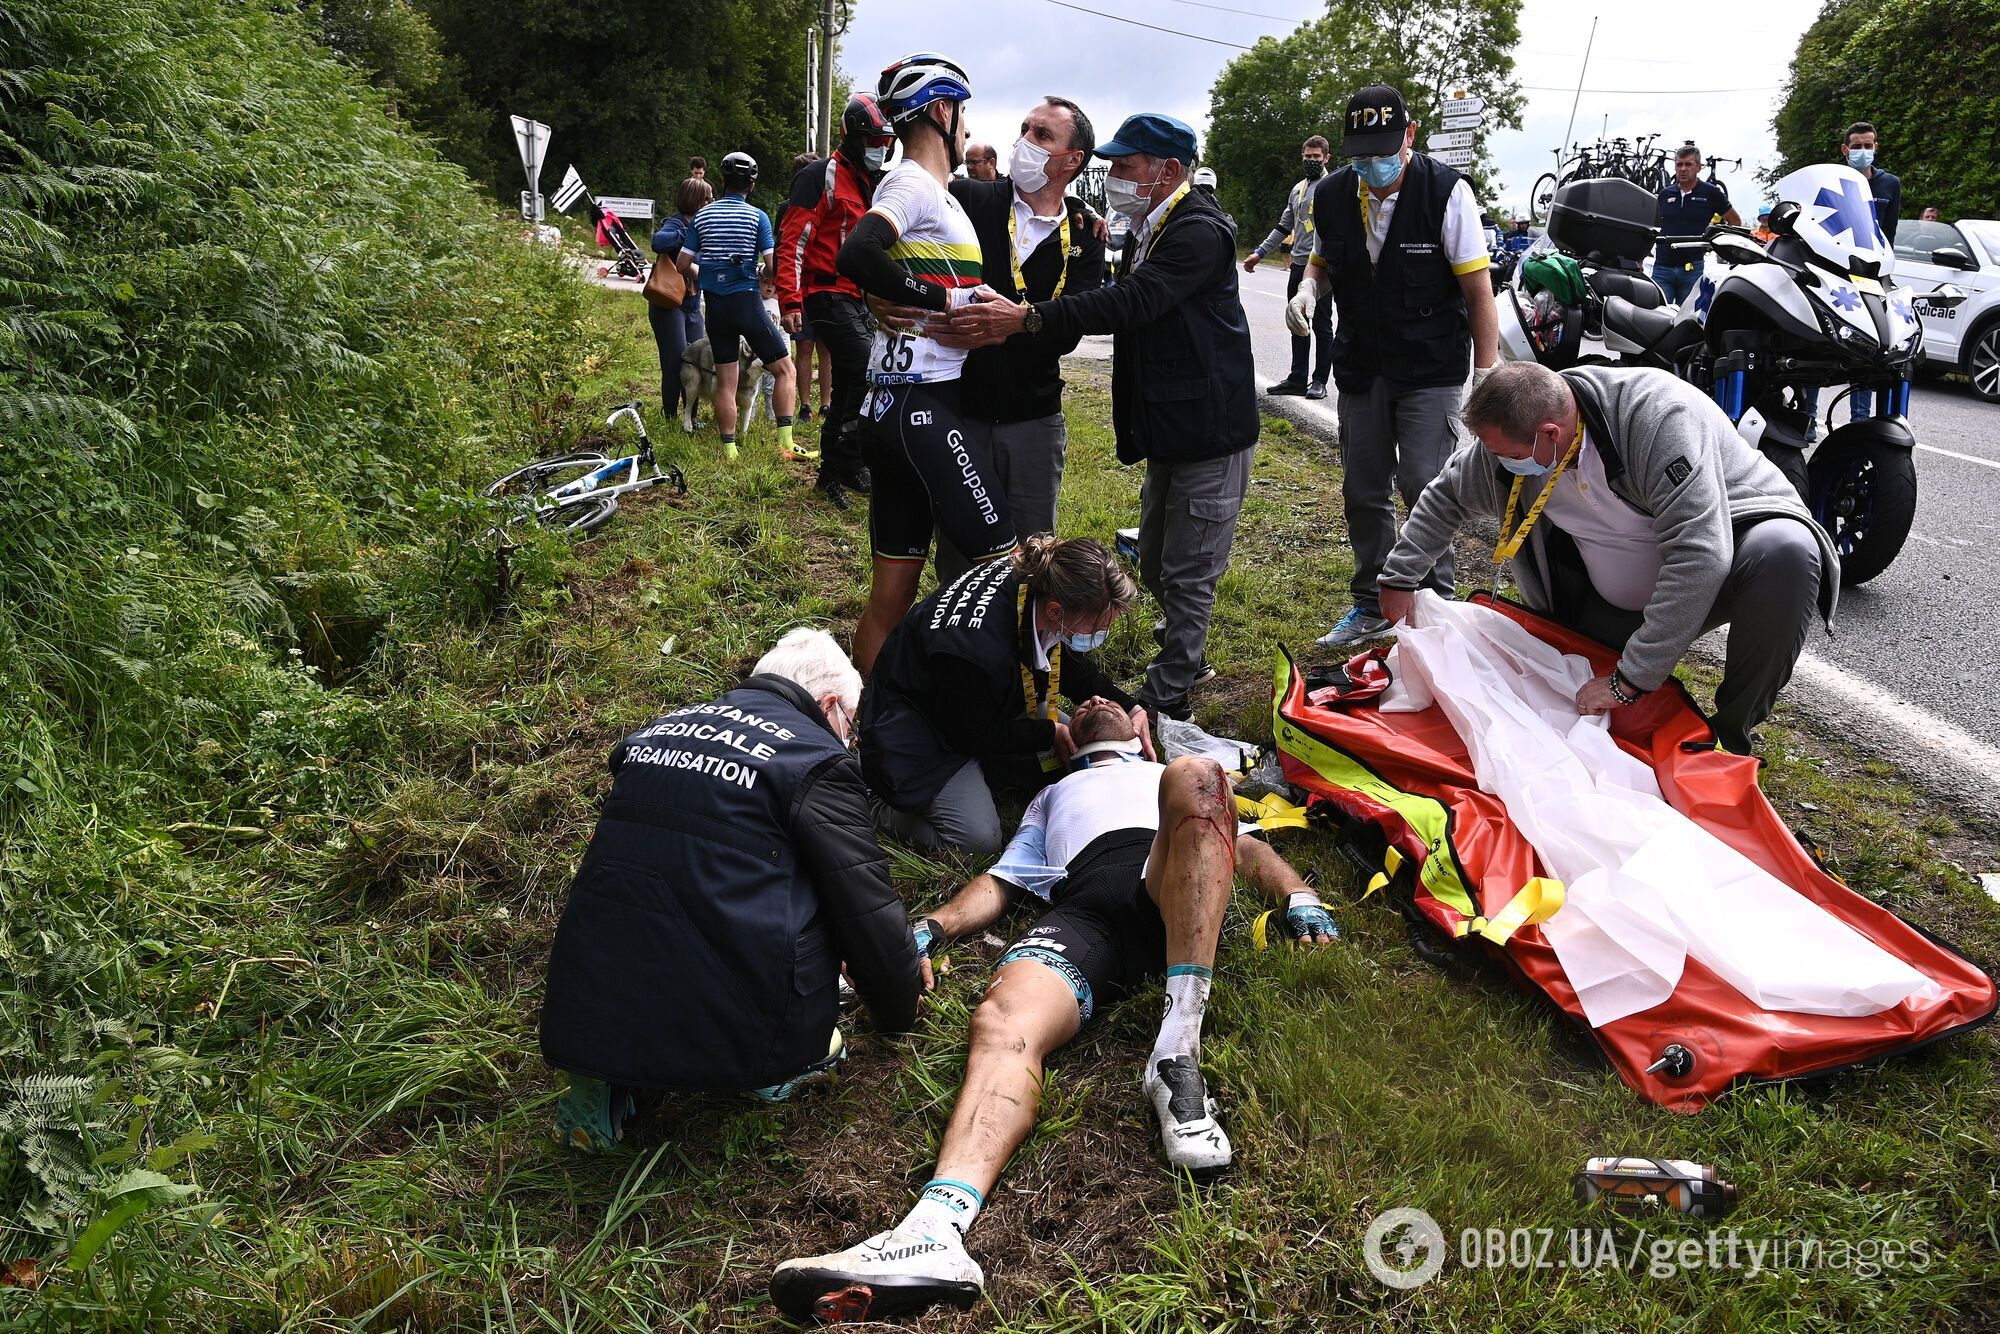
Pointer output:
x,y
1299,310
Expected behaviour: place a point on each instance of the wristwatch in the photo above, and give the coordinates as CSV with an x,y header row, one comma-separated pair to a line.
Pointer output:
x,y
1032,321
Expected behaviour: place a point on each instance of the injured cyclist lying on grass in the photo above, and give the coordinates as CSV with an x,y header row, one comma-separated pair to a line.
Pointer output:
x,y
1135,860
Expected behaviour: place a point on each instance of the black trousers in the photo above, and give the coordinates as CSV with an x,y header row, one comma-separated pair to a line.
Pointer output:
x,y
845,331
673,331
1322,330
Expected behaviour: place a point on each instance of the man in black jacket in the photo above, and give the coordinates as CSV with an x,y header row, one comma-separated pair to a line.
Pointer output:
x,y
1033,246
1181,393
1398,241
733,871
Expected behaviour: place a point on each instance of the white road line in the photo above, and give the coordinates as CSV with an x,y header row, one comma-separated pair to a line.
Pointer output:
x,y
1963,458
1944,743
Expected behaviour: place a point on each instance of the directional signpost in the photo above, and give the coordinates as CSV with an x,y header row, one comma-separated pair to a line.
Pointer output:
x,y
1453,145
532,137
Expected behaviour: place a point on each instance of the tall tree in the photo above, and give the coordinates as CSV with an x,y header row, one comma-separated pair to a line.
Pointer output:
x,y
1926,74
1266,101
631,88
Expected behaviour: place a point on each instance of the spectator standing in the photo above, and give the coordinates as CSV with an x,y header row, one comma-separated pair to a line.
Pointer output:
x,y
1034,245
1183,400
1857,149
1932,215
982,163
729,241
828,199
1398,243
674,330
1687,207
698,168
1295,229
808,357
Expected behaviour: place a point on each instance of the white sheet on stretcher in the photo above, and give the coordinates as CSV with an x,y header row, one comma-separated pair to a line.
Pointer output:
x,y
1645,887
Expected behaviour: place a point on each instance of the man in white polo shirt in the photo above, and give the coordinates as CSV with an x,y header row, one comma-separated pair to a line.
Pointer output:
x,y
1137,860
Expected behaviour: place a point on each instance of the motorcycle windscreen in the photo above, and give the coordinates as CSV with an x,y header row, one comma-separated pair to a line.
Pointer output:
x,y
1836,219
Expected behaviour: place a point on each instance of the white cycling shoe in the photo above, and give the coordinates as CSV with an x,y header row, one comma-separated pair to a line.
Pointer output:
x,y
1191,1137
892,1274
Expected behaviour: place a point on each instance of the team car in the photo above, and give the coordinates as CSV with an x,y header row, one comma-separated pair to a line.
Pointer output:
x,y
1952,272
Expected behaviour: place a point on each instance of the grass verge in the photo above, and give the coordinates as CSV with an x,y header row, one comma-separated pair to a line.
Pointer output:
x,y
344,1065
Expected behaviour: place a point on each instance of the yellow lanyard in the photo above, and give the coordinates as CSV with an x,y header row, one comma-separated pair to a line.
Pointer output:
x,y
1028,677
1014,257
1510,541
1302,208
1161,225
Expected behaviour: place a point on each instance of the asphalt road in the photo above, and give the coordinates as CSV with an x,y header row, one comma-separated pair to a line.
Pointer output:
x,y
1923,636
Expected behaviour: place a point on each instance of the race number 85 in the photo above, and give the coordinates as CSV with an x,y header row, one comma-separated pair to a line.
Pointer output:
x,y
899,353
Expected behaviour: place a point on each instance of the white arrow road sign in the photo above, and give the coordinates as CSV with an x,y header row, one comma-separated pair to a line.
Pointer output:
x,y
1453,139
1457,157
1451,104
1462,120
532,137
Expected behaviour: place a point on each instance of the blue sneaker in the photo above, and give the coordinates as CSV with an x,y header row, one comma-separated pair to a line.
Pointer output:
x,y
1353,628
836,1052
592,1114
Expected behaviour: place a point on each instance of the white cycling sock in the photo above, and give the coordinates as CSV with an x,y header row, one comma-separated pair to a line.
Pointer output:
x,y
943,1204
1187,1000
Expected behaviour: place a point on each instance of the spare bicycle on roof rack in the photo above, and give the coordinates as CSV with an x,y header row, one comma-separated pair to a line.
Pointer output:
x,y
1616,159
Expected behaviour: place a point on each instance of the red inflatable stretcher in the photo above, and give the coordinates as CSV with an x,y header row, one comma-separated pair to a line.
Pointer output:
x,y
1402,786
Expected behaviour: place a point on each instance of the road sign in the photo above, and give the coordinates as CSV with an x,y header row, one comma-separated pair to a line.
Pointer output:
x,y
532,138
1462,120
1460,102
628,210
1456,157
1452,139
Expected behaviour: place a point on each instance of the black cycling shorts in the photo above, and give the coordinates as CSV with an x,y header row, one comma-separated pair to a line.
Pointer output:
x,y
741,315
928,474
1104,935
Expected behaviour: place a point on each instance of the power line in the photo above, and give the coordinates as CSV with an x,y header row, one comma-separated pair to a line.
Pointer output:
x,y
1171,32
1641,92
1248,13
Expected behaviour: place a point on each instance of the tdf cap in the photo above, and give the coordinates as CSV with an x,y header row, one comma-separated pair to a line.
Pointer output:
x,y
1153,134
1375,124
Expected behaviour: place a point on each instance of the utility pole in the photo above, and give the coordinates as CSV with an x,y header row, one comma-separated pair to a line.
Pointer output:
x,y
832,20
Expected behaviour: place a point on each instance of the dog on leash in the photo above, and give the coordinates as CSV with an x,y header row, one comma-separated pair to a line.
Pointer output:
x,y
698,384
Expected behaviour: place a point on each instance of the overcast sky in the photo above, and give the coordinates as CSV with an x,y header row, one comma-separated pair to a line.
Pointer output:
x,y
1641,76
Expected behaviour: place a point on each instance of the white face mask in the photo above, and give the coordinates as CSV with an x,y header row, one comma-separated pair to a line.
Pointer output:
x,y
1128,197
1028,164
875,157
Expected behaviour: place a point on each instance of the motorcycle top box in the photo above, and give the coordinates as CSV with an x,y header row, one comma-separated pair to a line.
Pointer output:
x,y
1605,222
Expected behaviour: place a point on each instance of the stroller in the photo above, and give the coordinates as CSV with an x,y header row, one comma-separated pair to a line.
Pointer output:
x,y
630,261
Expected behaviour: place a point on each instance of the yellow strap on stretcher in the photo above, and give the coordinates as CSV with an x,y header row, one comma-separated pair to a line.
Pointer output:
x,y
1392,862
1539,900
1271,812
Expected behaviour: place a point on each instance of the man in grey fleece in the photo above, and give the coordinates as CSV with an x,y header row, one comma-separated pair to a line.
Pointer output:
x,y
1658,523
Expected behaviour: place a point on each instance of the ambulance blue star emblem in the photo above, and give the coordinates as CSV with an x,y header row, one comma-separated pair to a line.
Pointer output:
x,y
1846,298
1853,211
1900,305
1704,297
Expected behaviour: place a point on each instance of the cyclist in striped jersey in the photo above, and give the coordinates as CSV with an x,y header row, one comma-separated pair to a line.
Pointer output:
x,y
916,247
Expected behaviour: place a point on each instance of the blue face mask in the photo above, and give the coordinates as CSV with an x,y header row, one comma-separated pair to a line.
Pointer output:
x,y
1524,467
1089,643
1861,159
1379,172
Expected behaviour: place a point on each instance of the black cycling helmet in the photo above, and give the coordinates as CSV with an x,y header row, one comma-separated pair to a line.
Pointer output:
x,y
863,118
739,168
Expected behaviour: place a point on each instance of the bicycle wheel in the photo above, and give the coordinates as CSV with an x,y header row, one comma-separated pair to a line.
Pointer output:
x,y
545,475
1540,197
582,517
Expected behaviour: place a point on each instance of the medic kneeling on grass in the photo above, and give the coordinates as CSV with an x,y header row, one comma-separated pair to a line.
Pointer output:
x,y
1135,860
733,871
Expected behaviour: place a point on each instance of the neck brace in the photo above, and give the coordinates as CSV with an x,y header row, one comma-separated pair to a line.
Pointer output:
x,y
1124,750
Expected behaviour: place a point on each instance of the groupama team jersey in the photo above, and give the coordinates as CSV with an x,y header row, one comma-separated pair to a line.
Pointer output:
x,y
935,243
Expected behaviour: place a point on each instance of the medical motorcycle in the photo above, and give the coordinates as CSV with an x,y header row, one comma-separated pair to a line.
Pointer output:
x,y
1815,307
